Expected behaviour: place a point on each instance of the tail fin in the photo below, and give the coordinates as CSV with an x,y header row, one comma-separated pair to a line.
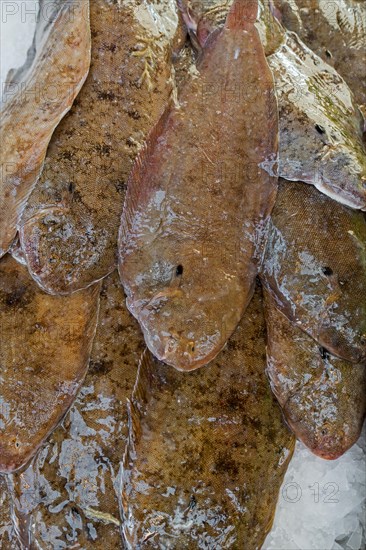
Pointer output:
x,y
242,14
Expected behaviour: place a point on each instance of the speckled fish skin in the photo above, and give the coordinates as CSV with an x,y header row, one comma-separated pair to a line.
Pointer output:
x,y
38,96
336,31
323,397
45,347
320,125
69,229
69,495
315,268
198,202
208,450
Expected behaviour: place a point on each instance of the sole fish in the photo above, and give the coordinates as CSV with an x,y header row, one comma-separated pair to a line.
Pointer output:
x,y
198,201
315,268
323,398
336,31
208,450
320,125
37,98
70,226
45,348
70,493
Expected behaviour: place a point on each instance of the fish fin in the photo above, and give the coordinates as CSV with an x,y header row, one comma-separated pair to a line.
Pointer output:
x,y
242,14
137,404
136,409
140,393
43,23
137,186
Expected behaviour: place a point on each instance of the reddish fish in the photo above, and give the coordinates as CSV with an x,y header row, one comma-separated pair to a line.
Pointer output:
x,y
198,200
323,398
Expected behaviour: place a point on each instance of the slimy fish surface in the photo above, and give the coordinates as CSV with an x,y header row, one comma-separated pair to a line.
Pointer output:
x,y
198,201
208,450
321,127
69,229
69,495
315,268
323,397
320,124
336,31
45,348
37,97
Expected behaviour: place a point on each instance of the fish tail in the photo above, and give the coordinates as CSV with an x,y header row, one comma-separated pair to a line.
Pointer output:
x,y
242,14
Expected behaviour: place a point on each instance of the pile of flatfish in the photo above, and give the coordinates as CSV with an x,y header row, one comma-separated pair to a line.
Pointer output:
x,y
183,267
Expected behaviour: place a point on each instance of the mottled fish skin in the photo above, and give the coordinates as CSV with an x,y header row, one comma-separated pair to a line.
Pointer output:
x,y
320,125
45,347
323,397
197,205
69,229
336,31
208,450
71,490
315,268
37,98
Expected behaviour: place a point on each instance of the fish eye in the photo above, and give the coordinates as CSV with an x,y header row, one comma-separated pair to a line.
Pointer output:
x,y
328,271
179,270
319,129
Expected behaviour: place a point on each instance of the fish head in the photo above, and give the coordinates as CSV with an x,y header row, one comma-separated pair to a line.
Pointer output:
x,y
14,454
64,252
342,177
185,320
327,415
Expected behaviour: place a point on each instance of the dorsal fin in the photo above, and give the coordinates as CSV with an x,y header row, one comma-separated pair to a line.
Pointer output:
x,y
136,407
138,186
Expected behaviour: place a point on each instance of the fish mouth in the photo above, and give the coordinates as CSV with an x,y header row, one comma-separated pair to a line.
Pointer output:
x,y
355,200
176,350
325,441
14,460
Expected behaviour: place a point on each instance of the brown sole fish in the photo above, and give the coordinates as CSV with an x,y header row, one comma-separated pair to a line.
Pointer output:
x,y
45,347
198,200
70,493
70,226
315,268
38,97
320,125
336,31
323,398
208,450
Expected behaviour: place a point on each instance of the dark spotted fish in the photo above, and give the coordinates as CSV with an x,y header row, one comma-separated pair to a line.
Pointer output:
x,y
336,31
198,200
208,449
37,98
45,347
70,493
69,229
315,268
320,125
323,397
